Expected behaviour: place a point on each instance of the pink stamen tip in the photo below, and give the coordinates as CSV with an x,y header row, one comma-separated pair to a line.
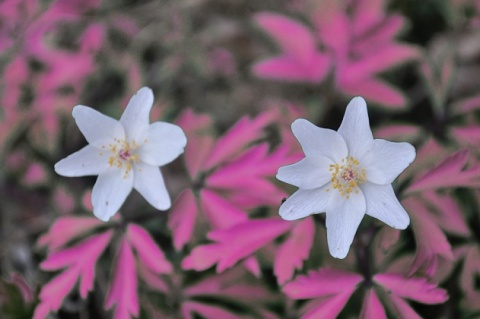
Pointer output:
x,y
124,154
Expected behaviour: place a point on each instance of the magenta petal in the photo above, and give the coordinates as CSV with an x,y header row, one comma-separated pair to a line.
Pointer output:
x,y
153,280
206,311
294,38
65,229
251,264
235,243
447,213
323,282
333,27
245,131
281,68
220,213
326,308
254,192
182,218
469,135
252,162
246,177
287,69
418,289
372,308
200,143
123,287
148,251
89,260
380,60
244,239
80,260
367,18
294,250
431,241
232,285
470,271
375,91
203,257
90,249
54,292
449,173
403,309
42,310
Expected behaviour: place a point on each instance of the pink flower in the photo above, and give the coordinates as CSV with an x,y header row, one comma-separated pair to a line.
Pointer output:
x,y
234,244
229,176
433,247
359,45
123,289
300,59
330,289
294,250
451,172
64,229
79,263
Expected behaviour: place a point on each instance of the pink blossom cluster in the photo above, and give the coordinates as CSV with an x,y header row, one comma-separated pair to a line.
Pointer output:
x,y
355,40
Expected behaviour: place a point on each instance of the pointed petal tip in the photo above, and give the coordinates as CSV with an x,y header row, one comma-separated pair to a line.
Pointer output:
x,y
77,109
412,152
338,252
57,168
62,169
145,91
403,224
163,206
299,122
357,101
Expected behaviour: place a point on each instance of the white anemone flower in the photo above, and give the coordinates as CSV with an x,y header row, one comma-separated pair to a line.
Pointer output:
x,y
345,174
124,154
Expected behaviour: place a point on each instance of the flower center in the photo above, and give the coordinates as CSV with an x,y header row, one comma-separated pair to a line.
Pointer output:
x,y
122,155
347,176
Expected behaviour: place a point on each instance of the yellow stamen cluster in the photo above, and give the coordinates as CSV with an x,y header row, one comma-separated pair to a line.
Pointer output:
x,y
123,155
347,176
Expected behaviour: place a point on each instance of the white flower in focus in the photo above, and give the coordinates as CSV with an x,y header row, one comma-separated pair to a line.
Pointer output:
x,y
345,174
124,154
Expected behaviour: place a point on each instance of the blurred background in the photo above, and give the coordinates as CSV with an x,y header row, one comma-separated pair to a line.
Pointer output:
x,y
206,55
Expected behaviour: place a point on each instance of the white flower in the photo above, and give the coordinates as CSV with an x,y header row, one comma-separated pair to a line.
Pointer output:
x,y
124,154
345,174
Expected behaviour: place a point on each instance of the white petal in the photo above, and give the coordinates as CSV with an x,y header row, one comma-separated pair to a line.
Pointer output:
x,y
110,191
99,130
384,205
136,117
148,181
164,143
310,172
385,160
355,127
343,217
316,141
305,202
87,161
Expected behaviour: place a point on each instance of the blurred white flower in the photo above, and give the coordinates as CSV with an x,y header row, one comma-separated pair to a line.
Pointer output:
x,y
124,154
345,174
